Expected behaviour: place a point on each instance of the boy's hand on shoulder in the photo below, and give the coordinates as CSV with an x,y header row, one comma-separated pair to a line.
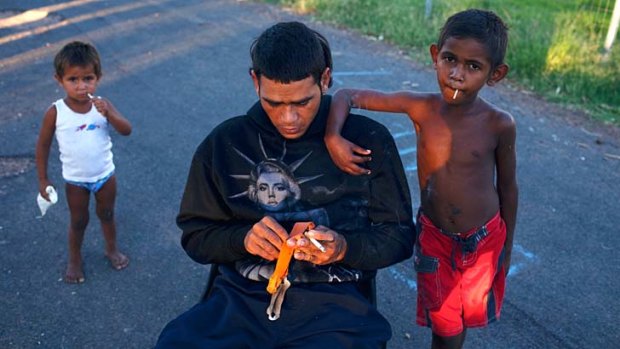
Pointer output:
x,y
347,155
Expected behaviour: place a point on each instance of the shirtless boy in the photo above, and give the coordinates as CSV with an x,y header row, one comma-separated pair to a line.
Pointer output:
x,y
466,170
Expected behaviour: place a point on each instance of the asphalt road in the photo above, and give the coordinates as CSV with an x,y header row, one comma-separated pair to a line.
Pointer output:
x,y
176,69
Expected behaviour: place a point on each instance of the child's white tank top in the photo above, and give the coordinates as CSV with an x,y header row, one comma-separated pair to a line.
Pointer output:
x,y
84,143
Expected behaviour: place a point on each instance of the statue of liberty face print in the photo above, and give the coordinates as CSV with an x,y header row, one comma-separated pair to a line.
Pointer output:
x,y
272,186
271,182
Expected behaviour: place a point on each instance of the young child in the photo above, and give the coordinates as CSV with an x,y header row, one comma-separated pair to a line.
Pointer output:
x,y
466,170
80,122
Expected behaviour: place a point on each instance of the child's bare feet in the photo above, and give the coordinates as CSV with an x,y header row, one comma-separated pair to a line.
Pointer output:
x,y
74,273
119,261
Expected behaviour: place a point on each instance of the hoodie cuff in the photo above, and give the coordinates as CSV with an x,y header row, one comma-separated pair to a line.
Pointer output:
x,y
353,255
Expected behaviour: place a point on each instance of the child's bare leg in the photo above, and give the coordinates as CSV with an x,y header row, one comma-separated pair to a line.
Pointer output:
x,y
78,199
454,342
105,211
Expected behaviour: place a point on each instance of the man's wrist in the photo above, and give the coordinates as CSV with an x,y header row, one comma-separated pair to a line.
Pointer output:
x,y
342,248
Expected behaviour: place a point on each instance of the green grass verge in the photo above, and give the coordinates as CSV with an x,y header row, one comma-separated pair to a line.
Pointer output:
x,y
555,47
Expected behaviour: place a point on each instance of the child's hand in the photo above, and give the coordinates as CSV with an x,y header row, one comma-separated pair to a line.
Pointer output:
x,y
347,155
102,105
43,184
107,109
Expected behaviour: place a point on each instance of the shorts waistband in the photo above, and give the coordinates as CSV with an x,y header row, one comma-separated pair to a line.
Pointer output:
x,y
467,241
491,224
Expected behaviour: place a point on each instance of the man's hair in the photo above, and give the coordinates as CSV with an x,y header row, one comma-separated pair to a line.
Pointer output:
x,y
290,51
481,25
79,54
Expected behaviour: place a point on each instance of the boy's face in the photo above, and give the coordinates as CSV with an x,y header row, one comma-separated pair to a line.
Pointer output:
x,y
78,81
464,65
291,107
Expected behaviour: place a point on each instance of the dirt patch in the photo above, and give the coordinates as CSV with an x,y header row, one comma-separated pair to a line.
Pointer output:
x,y
15,165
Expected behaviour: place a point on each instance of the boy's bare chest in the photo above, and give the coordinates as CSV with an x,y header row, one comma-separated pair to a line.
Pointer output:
x,y
456,145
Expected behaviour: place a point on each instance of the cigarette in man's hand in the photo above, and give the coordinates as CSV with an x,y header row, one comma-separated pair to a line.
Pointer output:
x,y
316,243
456,92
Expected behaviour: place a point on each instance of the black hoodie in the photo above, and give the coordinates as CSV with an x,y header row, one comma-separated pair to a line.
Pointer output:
x,y
222,198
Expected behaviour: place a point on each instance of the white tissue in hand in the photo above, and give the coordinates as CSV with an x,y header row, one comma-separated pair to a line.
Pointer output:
x,y
44,204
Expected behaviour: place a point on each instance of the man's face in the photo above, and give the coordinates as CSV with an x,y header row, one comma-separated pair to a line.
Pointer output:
x,y
291,107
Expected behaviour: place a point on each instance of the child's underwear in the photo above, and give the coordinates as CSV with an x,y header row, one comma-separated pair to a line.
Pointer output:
x,y
93,187
461,278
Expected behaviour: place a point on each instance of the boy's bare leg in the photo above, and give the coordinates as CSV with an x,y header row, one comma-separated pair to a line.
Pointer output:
x,y
105,211
454,342
77,199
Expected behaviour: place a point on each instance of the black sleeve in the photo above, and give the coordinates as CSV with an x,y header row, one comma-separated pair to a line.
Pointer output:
x,y
210,233
391,235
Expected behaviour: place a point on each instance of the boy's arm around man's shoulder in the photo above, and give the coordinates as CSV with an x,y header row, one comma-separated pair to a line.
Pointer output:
x,y
403,102
347,155
375,100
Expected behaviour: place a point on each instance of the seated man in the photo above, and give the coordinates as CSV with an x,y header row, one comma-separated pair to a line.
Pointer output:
x,y
254,176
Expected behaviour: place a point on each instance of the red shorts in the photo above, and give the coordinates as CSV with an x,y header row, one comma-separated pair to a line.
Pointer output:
x,y
461,278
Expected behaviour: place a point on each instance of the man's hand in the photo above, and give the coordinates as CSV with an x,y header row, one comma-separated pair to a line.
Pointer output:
x,y
335,246
347,156
265,239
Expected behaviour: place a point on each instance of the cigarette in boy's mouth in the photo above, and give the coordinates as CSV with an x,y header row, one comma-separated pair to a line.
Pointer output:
x,y
456,92
90,96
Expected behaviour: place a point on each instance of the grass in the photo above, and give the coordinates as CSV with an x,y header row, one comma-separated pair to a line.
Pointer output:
x,y
555,47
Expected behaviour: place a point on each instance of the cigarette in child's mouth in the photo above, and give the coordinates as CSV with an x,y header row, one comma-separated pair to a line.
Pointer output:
x,y
456,92
90,96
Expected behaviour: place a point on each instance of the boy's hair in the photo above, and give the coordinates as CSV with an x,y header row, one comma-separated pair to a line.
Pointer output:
x,y
290,51
481,25
77,53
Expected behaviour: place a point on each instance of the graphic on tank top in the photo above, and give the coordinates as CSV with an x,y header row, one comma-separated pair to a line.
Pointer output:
x,y
85,127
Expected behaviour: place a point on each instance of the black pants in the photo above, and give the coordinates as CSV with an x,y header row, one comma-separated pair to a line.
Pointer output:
x,y
324,316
